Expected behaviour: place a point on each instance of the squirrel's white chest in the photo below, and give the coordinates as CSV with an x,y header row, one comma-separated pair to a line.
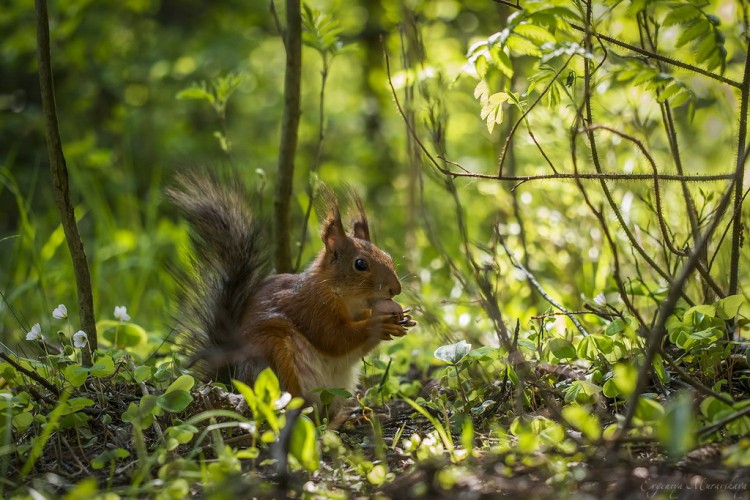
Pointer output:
x,y
317,370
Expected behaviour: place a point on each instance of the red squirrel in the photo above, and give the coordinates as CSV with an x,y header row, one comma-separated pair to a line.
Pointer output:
x,y
310,328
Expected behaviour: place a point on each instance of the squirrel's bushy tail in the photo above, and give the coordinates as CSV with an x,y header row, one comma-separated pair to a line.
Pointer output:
x,y
228,262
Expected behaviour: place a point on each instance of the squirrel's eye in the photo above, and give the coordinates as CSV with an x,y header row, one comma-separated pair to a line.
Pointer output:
x,y
361,265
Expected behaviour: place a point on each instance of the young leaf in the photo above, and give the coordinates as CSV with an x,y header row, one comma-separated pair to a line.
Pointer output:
x,y
453,353
562,349
681,15
696,30
104,367
174,401
728,307
303,444
182,383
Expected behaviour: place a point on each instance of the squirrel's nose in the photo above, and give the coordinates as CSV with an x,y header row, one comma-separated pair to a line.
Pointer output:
x,y
395,289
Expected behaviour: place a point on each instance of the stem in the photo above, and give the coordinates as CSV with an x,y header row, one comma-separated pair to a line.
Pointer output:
x,y
59,175
734,268
318,155
289,134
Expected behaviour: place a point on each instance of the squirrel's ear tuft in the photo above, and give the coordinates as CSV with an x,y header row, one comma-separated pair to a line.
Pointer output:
x,y
333,233
361,227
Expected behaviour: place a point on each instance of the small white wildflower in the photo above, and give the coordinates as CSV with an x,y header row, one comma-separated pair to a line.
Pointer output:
x,y
80,339
60,312
600,299
35,333
121,313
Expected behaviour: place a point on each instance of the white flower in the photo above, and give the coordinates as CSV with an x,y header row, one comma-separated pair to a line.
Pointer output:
x,y
35,333
600,299
121,313
80,338
60,312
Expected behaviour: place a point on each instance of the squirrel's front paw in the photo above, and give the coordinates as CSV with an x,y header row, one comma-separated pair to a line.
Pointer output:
x,y
389,320
385,327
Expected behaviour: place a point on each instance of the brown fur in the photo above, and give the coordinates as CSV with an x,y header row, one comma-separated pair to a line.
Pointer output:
x,y
311,327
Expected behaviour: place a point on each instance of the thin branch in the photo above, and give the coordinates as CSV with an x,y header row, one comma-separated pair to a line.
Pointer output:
x,y
279,28
517,264
316,162
710,429
61,188
31,374
694,382
581,176
662,58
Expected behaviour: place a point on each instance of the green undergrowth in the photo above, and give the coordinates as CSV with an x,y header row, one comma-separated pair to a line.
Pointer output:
x,y
137,423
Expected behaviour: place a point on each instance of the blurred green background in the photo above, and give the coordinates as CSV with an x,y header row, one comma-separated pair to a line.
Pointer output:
x,y
119,67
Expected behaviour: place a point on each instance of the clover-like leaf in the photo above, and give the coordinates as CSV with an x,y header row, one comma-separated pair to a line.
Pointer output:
x,y
453,353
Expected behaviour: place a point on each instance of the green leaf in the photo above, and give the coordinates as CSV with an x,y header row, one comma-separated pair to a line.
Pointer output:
x,y
482,92
174,401
104,367
581,418
143,373
195,92
728,307
695,31
681,15
453,353
714,409
303,444
121,334
141,414
267,386
649,410
523,46
535,33
677,430
77,404
182,433
182,383
562,349
22,421
377,475
503,62
76,375
249,394
625,378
